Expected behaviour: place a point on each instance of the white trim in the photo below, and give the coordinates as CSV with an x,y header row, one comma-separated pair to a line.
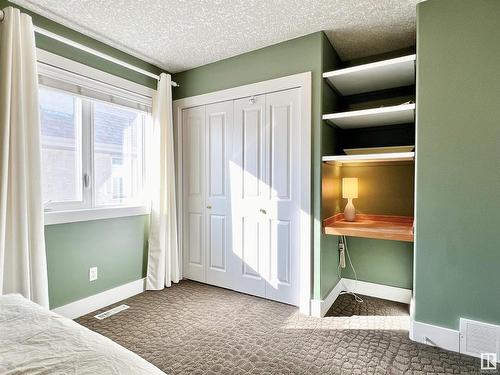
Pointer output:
x,y
94,52
265,87
375,76
444,338
367,158
51,59
320,307
98,301
375,65
387,292
60,217
303,82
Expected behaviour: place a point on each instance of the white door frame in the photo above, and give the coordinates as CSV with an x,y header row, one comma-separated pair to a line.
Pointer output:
x,y
301,81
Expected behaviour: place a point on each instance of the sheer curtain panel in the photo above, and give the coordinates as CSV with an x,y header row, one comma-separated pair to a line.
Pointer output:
x,y
163,254
23,265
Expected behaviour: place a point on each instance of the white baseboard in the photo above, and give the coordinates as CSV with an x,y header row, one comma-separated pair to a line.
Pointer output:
x,y
320,307
98,301
387,292
444,338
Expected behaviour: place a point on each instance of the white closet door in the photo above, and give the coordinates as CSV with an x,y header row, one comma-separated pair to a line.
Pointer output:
x,y
241,186
281,203
219,126
194,187
248,185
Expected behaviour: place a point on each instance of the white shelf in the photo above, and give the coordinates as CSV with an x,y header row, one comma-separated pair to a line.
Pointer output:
x,y
370,158
399,114
376,76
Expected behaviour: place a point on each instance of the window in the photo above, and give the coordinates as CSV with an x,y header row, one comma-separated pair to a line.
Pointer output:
x,y
92,152
61,125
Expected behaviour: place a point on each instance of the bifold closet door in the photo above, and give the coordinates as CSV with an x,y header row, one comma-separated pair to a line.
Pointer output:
x,y
206,136
218,239
241,186
265,188
248,186
193,194
281,204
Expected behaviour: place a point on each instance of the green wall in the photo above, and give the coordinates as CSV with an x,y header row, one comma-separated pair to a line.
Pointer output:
x,y
381,262
116,246
299,55
457,253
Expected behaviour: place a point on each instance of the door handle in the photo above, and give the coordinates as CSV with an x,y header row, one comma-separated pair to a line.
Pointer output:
x,y
209,207
263,211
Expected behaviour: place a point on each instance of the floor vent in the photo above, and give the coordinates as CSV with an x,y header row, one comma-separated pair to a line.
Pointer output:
x,y
113,311
477,338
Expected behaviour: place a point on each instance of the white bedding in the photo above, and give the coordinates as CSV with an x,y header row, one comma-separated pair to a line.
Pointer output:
x,y
36,341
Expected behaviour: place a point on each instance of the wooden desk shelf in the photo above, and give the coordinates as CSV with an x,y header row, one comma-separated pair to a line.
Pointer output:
x,y
383,227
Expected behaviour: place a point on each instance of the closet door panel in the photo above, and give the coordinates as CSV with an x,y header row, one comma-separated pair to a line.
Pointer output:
x,y
281,251
193,135
247,168
219,123
282,202
280,156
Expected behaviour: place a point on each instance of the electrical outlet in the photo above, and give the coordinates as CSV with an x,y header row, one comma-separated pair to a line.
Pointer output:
x,y
93,273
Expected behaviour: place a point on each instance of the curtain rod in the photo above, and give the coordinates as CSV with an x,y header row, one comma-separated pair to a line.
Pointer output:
x,y
92,51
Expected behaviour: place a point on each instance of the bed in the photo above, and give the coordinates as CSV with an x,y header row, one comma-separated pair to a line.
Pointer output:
x,y
34,340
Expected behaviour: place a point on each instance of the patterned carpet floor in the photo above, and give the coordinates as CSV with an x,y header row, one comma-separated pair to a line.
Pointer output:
x,y
194,328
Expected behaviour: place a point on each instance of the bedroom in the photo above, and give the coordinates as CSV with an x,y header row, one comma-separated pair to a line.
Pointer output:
x,y
256,187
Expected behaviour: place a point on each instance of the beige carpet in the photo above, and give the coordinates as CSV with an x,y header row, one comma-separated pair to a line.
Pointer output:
x,y
194,328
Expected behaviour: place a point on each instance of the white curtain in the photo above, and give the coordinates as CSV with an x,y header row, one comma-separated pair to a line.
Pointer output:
x,y
23,264
163,255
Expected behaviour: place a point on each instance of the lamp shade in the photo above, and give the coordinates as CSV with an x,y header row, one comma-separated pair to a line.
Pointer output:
x,y
350,187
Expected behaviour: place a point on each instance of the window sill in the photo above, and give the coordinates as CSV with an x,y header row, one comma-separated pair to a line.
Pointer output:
x,y
61,217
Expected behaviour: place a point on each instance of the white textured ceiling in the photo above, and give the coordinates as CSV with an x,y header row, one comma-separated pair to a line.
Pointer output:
x,y
182,34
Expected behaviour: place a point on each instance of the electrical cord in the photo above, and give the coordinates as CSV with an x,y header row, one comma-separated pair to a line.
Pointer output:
x,y
347,291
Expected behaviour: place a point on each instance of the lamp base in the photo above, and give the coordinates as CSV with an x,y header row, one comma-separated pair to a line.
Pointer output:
x,y
349,211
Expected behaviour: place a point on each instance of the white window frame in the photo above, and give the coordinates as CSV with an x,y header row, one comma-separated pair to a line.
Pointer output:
x,y
67,70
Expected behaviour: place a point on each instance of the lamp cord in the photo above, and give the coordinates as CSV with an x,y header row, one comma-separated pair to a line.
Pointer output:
x,y
347,291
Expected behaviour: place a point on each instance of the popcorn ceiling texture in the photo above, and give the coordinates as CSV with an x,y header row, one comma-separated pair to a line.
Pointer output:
x,y
179,35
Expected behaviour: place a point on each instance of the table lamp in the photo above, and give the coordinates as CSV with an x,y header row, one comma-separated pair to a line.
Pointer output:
x,y
349,192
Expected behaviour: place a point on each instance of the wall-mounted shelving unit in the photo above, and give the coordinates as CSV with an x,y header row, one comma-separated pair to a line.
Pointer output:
x,y
399,114
376,76
380,83
370,158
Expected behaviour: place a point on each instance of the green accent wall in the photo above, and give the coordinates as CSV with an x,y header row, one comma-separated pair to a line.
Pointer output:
x,y
457,256
116,246
380,261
